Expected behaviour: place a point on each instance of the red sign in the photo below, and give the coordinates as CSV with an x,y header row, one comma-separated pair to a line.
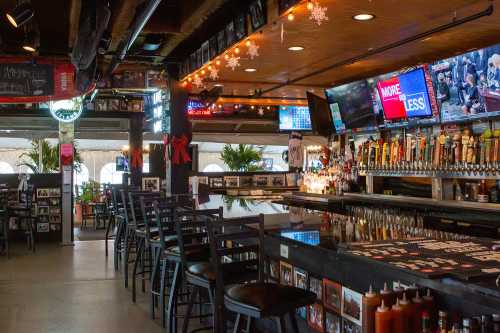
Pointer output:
x,y
36,80
66,152
390,94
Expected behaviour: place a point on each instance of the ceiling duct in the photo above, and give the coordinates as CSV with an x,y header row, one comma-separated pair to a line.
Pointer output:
x,y
136,27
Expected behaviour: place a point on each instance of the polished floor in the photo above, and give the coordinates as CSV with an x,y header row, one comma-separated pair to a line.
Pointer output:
x,y
68,289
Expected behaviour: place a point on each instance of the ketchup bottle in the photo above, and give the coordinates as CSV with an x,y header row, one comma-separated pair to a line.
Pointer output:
x,y
383,319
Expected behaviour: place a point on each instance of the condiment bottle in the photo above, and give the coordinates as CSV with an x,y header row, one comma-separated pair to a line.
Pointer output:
x,y
496,323
418,308
398,290
383,319
370,303
388,296
430,307
425,323
399,321
411,291
409,312
443,322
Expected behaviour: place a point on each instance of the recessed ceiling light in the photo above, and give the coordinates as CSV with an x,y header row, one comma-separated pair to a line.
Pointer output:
x,y
426,39
296,48
218,85
363,17
250,70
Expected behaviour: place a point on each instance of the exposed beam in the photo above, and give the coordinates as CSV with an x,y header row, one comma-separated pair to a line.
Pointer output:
x,y
74,21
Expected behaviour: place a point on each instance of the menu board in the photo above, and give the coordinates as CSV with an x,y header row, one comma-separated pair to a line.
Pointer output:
x,y
295,118
464,259
467,86
22,80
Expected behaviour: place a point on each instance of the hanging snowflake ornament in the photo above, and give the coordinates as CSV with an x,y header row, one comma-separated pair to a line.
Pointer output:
x,y
233,62
261,111
198,82
253,49
318,13
214,73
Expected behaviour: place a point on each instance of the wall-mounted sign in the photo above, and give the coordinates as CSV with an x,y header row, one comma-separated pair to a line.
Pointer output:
x,y
67,110
24,80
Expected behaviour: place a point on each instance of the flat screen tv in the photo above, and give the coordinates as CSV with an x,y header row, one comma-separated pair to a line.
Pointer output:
x,y
295,118
405,96
355,104
467,86
321,119
121,163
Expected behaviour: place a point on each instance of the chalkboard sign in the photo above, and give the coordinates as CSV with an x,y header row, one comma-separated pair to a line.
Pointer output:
x,y
25,80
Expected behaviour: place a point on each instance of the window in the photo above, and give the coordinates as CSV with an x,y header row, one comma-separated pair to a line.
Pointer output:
x,y
6,168
109,175
213,168
145,168
278,168
81,177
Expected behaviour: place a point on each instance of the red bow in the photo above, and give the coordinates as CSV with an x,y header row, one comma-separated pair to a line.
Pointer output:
x,y
166,143
136,158
179,147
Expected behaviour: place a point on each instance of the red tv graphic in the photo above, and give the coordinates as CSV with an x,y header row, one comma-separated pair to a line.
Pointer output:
x,y
392,98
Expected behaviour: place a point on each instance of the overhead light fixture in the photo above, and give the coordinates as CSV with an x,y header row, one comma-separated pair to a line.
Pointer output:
x,y
250,70
295,48
363,17
31,42
218,85
291,16
21,14
310,5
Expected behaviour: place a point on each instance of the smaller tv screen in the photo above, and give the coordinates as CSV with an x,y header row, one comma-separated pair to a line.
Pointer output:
x,y
310,237
321,118
355,104
121,163
405,96
295,118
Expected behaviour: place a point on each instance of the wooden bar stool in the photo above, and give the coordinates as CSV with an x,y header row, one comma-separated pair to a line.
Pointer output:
x,y
238,245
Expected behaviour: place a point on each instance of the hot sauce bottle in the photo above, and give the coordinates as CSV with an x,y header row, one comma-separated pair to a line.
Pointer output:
x,y
411,291
399,321
387,295
370,303
409,312
398,290
383,319
418,308
430,307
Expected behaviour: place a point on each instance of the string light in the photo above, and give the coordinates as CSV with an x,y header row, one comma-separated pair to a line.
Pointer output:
x,y
210,67
310,5
226,56
247,43
291,16
203,72
190,79
217,62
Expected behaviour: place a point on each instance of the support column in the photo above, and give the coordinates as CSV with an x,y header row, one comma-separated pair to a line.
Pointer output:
x,y
179,125
66,149
135,139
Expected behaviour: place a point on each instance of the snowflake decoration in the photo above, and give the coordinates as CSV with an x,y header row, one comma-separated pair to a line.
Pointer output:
x,y
214,73
318,14
253,50
198,82
261,111
233,62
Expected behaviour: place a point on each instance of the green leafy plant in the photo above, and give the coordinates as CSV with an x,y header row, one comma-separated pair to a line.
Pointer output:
x,y
242,158
90,192
50,157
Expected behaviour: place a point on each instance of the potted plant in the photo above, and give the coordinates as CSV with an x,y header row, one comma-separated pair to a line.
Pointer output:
x,y
244,158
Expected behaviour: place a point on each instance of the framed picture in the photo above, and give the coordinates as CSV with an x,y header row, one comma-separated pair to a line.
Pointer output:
x,y
333,323
277,180
114,105
240,26
332,295
205,52
42,227
55,227
350,327
216,182
212,47
43,210
316,286
221,41
245,181
258,14
230,34
231,181
315,317
101,105
261,180
286,274
199,58
351,305
302,312
274,270
42,193
300,278
151,184
55,192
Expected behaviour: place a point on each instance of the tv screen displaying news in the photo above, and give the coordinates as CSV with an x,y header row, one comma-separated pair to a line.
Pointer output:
x,y
467,86
405,96
355,104
295,118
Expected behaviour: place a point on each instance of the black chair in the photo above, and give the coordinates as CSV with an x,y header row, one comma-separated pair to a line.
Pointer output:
x,y
238,245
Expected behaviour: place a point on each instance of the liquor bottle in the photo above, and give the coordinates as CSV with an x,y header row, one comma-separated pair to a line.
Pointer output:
x,y
442,322
425,323
371,301
383,319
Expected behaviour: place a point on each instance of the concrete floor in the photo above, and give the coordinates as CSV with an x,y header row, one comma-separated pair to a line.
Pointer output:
x,y
68,289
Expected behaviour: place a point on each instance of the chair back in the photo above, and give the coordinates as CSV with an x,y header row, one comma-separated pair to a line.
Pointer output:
x,y
191,229
237,245
134,197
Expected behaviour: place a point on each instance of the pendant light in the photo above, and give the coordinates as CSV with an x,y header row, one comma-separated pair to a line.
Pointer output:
x,y
21,14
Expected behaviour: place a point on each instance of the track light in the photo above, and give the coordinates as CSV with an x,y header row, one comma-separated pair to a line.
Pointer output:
x,y
21,14
31,42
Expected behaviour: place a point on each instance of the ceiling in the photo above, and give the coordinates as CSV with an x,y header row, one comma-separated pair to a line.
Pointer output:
x,y
341,38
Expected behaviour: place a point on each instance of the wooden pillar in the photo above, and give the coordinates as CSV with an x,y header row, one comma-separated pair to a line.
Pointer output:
x,y
179,125
135,139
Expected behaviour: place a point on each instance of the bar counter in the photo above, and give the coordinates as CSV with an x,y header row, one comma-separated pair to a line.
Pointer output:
x,y
308,241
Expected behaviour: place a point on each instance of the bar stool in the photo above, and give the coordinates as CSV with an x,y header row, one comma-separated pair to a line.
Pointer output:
x,y
243,242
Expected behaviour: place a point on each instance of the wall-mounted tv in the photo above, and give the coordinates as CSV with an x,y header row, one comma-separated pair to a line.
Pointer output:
x,y
467,86
355,104
321,118
295,118
405,96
